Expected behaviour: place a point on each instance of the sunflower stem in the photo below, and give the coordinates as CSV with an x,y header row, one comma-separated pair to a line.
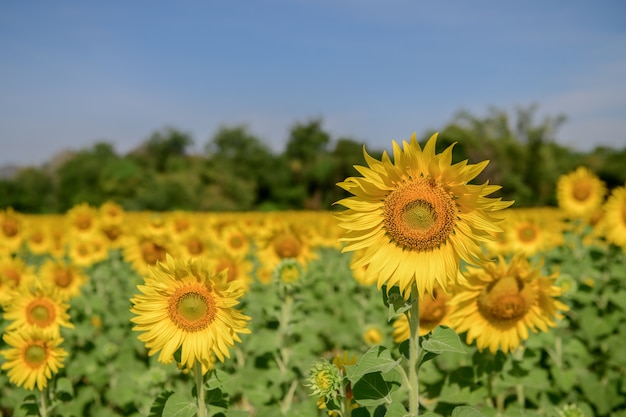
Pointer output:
x,y
414,353
199,377
43,410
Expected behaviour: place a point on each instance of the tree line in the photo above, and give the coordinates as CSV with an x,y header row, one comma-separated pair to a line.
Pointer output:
x,y
238,171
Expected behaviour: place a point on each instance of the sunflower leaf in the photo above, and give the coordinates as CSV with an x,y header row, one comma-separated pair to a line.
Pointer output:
x,y
465,411
180,406
159,404
443,339
30,405
376,359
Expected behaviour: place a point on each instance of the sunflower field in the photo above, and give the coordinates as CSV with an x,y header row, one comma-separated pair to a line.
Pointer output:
x,y
420,295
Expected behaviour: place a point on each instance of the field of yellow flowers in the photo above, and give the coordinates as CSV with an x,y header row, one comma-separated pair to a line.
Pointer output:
x,y
114,313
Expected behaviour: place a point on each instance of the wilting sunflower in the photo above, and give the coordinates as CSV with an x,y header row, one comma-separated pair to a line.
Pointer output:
x,y
33,357
615,217
37,307
186,305
501,302
417,217
580,192
434,310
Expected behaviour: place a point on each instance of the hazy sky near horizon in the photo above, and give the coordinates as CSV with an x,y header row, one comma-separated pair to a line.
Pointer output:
x,y
73,73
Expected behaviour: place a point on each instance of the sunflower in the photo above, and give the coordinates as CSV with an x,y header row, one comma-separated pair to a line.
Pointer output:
x,y
434,310
13,273
11,230
234,240
65,277
144,249
88,249
32,358
37,307
111,213
526,234
615,217
580,192
192,244
237,268
37,238
284,240
417,217
501,302
82,218
186,305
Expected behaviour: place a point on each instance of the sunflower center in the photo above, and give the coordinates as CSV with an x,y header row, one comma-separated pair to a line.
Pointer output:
x,y
152,252
226,264
36,237
505,300
192,308
40,312
287,246
194,246
527,233
432,311
420,215
112,233
236,242
63,277
582,190
83,222
13,275
10,228
35,356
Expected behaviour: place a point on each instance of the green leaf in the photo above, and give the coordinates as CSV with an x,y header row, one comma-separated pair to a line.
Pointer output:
x,y
64,390
376,359
216,379
159,404
443,339
396,303
180,406
360,412
217,398
372,389
30,405
396,410
465,411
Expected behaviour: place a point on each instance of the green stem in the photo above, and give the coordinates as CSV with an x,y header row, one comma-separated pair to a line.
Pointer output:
x,y
414,353
199,377
519,388
43,410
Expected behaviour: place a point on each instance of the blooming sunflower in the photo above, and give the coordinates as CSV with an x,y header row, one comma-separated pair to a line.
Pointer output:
x,y
615,217
144,249
417,217
13,273
526,234
37,307
65,277
284,240
580,192
32,358
186,305
82,218
11,230
501,302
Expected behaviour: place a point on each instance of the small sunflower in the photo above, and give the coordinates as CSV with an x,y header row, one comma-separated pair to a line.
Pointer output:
x,y
526,234
65,277
13,273
580,192
144,249
186,305
237,268
37,238
325,380
615,217
111,213
37,307
32,358
82,218
501,302
372,336
234,240
418,217
11,230
283,240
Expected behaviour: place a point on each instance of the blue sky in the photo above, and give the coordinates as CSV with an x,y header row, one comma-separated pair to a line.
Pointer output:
x,y
76,72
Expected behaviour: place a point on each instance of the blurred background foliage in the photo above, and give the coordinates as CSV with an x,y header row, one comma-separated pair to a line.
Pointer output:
x,y
237,171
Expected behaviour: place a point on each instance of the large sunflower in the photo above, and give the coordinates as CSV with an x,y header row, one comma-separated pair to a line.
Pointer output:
x,y
615,217
417,217
580,192
501,302
32,358
186,305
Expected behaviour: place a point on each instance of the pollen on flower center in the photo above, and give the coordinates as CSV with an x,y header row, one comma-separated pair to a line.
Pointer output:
x,y
192,308
420,215
505,300
41,313
35,355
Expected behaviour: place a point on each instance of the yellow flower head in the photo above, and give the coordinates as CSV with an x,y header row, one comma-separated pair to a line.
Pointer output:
x,y
65,277
32,358
615,217
580,192
417,217
186,305
501,302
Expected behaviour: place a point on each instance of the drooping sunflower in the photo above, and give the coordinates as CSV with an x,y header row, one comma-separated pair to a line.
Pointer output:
x,y
187,305
32,358
615,217
417,217
501,302
37,306
580,192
